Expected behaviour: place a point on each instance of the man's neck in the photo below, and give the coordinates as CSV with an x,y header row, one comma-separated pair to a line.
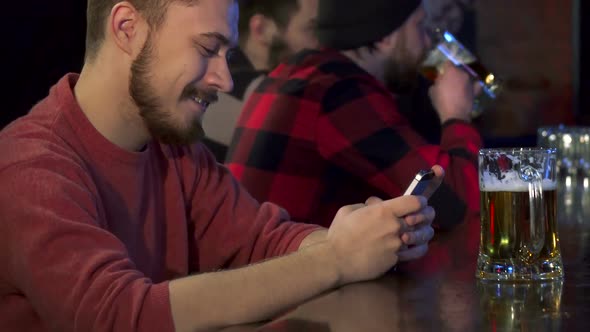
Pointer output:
x,y
370,62
102,93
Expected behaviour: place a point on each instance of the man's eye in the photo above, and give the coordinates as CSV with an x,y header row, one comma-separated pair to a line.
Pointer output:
x,y
208,52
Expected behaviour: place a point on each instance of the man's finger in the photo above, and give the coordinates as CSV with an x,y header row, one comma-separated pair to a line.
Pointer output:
x,y
448,65
351,208
439,174
404,205
418,237
373,200
412,253
425,216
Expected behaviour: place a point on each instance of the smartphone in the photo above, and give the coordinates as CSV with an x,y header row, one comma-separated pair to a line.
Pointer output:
x,y
420,182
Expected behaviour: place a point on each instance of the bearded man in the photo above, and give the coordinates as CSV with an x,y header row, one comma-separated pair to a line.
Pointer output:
x,y
113,217
324,129
270,31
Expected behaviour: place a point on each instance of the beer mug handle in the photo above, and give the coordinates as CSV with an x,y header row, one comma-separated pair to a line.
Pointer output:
x,y
531,246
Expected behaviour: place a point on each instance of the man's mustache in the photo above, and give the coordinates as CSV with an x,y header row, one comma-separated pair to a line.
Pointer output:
x,y
209,96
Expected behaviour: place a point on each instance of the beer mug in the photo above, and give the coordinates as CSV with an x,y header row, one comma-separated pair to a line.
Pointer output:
x,y
519,239
447,47
510,307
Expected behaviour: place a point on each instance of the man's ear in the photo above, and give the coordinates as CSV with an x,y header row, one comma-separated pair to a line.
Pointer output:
x,y
127,28
262,29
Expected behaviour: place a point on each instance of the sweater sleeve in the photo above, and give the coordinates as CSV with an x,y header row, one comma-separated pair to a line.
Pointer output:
x,y
53,250
231,228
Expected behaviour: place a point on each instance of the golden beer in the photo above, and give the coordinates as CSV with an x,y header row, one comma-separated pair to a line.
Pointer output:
x,y
519,238
475,68
505,220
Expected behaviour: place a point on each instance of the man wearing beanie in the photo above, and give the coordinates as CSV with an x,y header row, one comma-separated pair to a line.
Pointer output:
x,y
324,130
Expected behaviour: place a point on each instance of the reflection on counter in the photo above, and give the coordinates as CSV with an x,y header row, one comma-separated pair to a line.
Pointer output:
x,y
521,307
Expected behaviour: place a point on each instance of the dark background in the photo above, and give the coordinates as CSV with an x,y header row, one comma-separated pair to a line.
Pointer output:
x,y
42,40
584,87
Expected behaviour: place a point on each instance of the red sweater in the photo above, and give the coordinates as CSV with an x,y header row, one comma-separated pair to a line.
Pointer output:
x,y
90,234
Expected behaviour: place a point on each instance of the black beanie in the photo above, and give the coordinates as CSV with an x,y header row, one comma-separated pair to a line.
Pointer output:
x,y
350,24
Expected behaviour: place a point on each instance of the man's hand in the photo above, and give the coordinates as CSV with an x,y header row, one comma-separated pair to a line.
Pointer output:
x,y
452,94
365,238
415,240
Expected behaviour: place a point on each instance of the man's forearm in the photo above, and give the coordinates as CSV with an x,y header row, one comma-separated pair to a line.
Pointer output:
x,y
314,238
254,292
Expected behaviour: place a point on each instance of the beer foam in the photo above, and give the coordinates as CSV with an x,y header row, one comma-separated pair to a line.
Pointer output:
x,y
511,182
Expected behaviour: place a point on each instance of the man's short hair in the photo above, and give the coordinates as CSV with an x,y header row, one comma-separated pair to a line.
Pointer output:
x,y
280,11
98,11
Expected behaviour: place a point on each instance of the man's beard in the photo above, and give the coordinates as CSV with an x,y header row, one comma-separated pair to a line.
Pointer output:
x,y
401,71
159,121
278,52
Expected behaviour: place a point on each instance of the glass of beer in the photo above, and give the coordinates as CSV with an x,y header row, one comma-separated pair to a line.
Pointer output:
x,y
519,237
448,48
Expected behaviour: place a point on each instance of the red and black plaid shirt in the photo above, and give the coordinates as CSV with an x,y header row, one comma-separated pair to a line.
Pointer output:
x,y
320,133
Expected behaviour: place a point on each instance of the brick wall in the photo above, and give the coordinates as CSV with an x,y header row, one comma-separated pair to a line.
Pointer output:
x,y
529,43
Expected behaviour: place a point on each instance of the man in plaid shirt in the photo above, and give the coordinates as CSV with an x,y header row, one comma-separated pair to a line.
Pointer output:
x,y
323,130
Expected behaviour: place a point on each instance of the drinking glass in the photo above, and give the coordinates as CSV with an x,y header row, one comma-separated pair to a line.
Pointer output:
x,y
519,236
447,47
